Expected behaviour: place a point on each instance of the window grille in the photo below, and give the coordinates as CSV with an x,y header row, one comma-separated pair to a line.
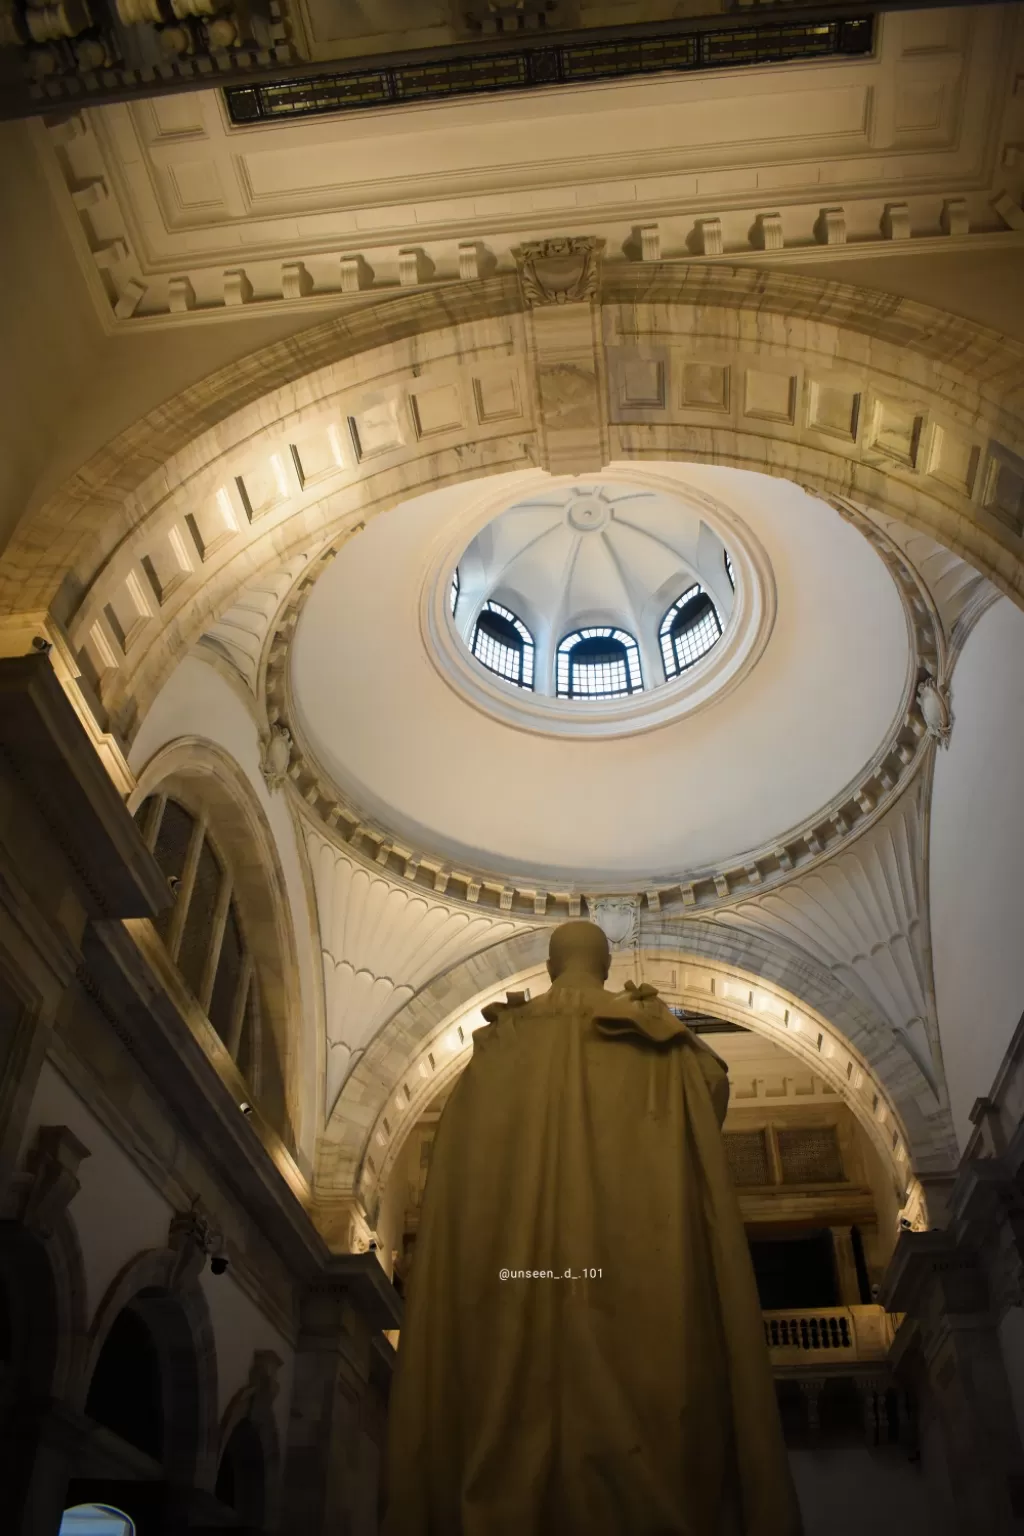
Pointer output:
x,y
729,571
810,1156
747,1155
598,663
453,591
503,644
248,1042
170,849
690,628
224,997
199,919
212,953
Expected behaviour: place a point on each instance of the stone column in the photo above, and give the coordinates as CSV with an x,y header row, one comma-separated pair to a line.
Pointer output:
x,y
324,1478
948,1347
40,1447
811,1390
846,1267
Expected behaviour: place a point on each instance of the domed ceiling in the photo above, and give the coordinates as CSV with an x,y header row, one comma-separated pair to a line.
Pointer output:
x,y
594,556
415,732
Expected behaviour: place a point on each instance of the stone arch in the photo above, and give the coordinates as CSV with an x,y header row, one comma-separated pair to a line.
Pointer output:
x,y
251,1411
179,1324
42,1301
206,778
854,394
698,963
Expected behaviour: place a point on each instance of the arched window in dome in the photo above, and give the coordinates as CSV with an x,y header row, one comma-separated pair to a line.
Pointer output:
x,y
598,663
688,631
503,644
453,591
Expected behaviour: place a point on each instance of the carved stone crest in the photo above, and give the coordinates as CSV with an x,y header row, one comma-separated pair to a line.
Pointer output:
x,y
192,1239
933,701
561,271
276,756
618,917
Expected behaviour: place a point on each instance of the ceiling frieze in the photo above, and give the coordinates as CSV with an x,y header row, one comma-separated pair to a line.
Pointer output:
x,y
181,218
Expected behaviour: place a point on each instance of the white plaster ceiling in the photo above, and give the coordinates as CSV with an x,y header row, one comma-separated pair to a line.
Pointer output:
x,y
408,749
180,217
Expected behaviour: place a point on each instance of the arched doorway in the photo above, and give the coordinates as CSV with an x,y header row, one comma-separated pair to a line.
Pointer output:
x,y
146,1391
241,1476
126,1391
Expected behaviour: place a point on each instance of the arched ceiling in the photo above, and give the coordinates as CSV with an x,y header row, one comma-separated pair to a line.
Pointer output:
x,y
386,728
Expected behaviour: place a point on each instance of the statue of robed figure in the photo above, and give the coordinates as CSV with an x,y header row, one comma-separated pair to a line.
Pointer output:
x,y
624,1388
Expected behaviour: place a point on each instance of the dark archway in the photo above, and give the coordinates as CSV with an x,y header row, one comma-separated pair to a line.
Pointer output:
x,y
126,1392
29,1315
242,1475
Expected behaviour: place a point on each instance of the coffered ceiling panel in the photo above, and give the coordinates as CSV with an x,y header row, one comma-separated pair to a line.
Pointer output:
x,y
182,216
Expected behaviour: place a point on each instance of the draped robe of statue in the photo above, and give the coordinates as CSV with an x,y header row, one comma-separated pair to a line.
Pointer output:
x,y
584,1135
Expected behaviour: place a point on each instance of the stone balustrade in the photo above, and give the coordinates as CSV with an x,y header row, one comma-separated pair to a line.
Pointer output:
x,y
825,1337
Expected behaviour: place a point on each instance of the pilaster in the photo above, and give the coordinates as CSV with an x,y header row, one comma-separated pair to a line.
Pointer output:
x,y
327,1487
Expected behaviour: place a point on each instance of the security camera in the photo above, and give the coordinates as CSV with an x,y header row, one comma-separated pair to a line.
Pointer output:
x,y
219,1264
906,1225
245,1108
44,647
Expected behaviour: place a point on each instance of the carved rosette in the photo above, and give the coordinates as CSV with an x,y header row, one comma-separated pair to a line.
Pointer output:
x,y
562,271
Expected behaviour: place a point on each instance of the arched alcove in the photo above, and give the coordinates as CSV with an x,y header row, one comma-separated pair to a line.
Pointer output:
x,y
126,1391
153,1338
817,1024
259,1027
242,1474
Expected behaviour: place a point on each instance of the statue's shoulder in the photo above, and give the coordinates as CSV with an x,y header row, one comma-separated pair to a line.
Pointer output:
x,y
514,1002
640,1009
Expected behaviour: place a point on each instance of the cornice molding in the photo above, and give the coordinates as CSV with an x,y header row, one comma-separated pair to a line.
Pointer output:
x,y
951,182
860,805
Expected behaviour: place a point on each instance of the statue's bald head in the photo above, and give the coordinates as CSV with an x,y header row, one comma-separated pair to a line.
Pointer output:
x,y
579,947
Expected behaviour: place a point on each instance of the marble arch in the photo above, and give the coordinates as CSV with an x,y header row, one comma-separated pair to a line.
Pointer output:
x,y
697,964
182,1330
207,780
906,409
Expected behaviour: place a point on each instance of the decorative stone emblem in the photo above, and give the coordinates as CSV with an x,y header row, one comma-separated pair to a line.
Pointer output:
x,y
562,271
618,917
933,700
276,757
192,1239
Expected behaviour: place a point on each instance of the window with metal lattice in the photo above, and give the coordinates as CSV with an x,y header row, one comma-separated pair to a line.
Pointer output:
x,y
203,930
600,662
689,630
503,644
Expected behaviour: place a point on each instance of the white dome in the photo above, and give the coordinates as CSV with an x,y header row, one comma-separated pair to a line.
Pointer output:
x,y
606,555
473,778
